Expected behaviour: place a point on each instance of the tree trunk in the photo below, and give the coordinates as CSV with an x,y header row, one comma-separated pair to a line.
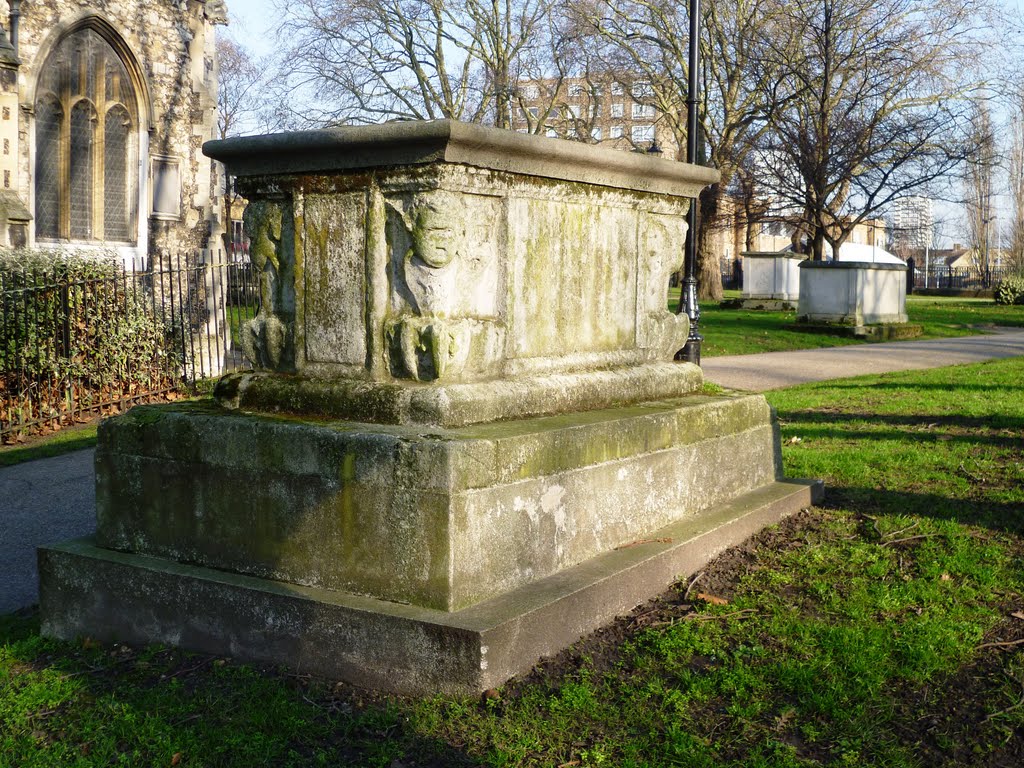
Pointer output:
x,y
818,244
709,274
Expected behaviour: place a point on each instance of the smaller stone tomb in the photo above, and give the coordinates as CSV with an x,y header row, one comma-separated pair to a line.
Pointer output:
x,y
771,277
855,293
467,445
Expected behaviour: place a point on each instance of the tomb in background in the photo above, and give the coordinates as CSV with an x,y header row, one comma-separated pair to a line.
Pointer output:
x,y
854,293
771,280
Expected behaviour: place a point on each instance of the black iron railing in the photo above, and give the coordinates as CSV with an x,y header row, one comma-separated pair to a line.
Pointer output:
x,y
75,343
957,278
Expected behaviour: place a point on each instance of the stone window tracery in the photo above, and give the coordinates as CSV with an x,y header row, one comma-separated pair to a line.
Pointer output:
x,y
86,143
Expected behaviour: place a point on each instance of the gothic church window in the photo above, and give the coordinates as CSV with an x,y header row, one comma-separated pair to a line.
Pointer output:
x,y
86,131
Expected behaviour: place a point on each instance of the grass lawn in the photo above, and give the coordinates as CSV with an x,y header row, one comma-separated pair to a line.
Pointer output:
x,y
745,332
237,317
885,629
66,440
725,331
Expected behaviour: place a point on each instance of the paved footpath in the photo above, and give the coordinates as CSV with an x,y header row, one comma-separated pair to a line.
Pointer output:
x,y
774,370
50,500
41,502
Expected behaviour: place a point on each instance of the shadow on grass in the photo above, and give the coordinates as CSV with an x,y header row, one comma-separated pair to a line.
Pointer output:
x,y
939,428
996,516
109,703
926,387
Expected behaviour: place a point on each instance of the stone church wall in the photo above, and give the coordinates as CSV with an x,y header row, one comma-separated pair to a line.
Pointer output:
x,y
172,43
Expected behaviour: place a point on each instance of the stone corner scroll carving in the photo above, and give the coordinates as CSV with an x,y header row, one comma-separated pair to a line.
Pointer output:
x,y
659,330
267,340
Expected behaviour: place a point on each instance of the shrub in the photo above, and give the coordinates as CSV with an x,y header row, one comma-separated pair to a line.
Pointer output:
x,y
77,333
1010,290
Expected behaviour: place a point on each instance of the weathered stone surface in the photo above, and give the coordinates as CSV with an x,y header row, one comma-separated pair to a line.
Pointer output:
x,y
441,518
112,596
771,276
168,50
353,148
457,254
486,314
457,405
852,292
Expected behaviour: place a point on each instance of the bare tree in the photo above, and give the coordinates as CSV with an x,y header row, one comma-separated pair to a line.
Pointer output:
x,y
1015,226
372,60
740,87
979,171
880,107
240,86
752,200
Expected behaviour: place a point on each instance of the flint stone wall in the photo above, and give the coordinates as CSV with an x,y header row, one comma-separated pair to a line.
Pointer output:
x,y
173,45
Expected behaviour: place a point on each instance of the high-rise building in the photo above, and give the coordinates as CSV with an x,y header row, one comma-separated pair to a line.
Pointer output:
x,y
913,225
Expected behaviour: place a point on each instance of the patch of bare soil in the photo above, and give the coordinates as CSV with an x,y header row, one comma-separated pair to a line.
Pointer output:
x,y
602,650
962,720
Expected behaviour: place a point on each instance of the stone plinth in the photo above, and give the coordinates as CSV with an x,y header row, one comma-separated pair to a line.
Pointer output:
x,y
442,518
125,597
771,276
467,444
852,293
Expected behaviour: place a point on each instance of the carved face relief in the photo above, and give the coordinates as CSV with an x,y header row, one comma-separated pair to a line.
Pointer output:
x,y
443,285
662,253
266,339
439,230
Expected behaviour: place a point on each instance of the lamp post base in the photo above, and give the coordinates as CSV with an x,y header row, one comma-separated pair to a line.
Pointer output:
x,y
690,353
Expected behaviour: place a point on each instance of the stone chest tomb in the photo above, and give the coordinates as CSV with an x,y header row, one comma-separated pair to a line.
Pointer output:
x,y
466,443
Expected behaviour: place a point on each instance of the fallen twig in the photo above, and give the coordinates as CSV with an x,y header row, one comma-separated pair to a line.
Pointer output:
x,y
874,524
309,701
1012,707
187,670
970,476
909,538
1006,644
691,585
644,541
901,530
706,617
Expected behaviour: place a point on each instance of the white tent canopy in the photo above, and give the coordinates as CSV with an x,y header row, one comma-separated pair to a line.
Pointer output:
x,y
872,254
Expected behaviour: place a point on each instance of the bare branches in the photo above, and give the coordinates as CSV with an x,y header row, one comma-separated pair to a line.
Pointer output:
x,y
979,170
240,84
372,60
878,107
740,92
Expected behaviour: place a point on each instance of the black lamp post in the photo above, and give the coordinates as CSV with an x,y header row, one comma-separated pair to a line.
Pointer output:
x,y
688,300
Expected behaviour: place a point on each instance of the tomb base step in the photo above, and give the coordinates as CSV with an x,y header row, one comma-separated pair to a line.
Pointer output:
x,y
115,596
440,518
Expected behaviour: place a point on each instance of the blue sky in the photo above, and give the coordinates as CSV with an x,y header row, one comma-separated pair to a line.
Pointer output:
x,y
252,24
